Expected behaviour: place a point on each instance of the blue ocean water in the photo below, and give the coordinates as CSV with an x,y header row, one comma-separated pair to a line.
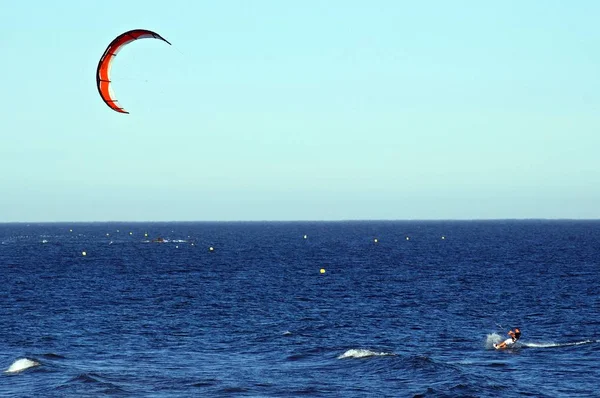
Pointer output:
x,y
401,309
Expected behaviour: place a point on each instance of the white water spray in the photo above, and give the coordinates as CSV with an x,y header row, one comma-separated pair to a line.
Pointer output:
x,y
491,339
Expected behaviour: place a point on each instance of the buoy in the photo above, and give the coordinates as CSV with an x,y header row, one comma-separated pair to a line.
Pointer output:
x,y
210,249
375,240
443,237
146,234
107,234
322,270
407,238
131,233
70,230
305,236
83,253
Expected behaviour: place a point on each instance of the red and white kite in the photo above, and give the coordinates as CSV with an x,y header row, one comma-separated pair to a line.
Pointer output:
x,y
103,71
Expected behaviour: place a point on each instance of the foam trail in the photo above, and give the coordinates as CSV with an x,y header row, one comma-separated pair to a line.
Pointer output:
x,y
550,345
362,353
20,365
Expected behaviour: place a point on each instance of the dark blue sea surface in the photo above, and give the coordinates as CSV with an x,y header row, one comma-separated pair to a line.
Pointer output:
x,y
401,309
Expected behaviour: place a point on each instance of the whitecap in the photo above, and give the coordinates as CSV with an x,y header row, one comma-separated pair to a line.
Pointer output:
x,y
21,364
363,353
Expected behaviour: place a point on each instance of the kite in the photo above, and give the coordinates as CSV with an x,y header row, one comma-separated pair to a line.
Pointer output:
x,y
103,71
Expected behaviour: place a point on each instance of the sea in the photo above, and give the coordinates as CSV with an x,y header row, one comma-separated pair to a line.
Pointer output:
x,y
300,309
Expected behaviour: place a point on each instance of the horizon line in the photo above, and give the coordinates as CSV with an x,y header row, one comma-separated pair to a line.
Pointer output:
x,y
302,221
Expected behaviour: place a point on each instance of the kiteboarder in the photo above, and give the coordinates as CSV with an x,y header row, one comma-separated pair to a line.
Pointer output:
x,y
514,337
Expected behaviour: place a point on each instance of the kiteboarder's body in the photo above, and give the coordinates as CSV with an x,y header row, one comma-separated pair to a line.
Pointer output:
x,y
514,337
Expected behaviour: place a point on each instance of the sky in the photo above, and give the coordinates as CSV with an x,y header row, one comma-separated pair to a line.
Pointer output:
x,y
301,110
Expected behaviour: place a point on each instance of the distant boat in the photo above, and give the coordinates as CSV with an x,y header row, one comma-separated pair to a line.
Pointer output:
x,y
158,240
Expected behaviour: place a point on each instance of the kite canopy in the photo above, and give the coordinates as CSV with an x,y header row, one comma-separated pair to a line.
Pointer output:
x,y
104,65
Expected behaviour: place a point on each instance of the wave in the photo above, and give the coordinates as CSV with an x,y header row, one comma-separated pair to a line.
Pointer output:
x,y
21,364
52,355
86,378
94,384
363,353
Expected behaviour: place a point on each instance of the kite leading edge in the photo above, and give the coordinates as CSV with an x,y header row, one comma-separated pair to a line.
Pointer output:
x,y
104,65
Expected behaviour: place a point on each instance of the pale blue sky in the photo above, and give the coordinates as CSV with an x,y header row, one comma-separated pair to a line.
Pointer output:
x,y
304,110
